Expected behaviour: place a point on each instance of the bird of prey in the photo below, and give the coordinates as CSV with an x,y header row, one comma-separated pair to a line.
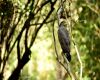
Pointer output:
x,y
64,40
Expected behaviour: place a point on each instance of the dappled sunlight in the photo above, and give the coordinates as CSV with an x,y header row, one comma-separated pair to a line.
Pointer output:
x,y
45,65
31,47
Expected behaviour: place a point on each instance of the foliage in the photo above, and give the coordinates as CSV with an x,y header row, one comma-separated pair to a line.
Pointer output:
x,y
26,41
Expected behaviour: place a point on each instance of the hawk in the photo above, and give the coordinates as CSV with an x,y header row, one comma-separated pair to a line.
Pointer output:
x,y
64,40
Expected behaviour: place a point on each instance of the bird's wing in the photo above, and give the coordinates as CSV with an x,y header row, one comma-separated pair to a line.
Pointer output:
x,y
64,39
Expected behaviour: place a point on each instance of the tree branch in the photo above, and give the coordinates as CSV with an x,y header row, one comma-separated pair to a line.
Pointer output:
x,y
48,15
44,23
78,56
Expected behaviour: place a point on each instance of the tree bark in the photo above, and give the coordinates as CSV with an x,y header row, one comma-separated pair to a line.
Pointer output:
x,y
16,73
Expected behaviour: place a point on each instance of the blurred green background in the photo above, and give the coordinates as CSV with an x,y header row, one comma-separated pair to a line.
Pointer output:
x,y
43,64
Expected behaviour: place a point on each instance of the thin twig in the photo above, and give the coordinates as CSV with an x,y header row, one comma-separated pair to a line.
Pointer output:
x,y
69,69
54,41
78,56
92,8
44,23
